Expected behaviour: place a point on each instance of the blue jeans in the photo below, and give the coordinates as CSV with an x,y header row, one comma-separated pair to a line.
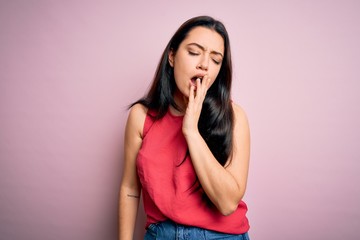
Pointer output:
x,y
169,230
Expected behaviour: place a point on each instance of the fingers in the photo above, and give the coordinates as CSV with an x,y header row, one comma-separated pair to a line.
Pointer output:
x,y
198,91
198,86
196,98
192,93
206,82
202,86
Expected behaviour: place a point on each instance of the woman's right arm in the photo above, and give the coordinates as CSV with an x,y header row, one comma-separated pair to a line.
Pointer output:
x,y
130,188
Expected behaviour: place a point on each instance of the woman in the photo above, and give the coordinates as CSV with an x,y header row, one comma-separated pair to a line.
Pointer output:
x,y
187,144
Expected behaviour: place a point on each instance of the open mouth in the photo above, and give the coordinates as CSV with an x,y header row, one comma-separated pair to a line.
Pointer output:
x,y
193,79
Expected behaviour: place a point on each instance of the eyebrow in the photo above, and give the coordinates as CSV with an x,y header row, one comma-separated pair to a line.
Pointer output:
x,y
204,49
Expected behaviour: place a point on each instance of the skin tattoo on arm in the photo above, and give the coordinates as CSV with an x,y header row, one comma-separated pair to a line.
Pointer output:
x,y
133,196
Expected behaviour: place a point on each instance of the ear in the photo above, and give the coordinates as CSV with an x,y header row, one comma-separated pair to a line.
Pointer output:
x,y
171,57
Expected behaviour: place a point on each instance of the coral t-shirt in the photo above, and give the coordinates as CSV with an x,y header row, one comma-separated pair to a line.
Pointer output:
x,y
169,184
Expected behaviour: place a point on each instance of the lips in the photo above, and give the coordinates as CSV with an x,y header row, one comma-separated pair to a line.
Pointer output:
x,y
193,79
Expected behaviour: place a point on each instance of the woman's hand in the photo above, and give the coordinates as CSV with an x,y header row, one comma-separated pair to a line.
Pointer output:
x,y
194,106
225,186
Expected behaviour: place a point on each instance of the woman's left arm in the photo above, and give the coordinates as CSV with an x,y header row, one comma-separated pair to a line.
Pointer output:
x,y
225,186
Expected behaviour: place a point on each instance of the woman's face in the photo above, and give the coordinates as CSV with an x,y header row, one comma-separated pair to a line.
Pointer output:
x,y
199,54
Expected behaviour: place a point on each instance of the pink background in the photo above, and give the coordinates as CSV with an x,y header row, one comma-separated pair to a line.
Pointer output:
x,y
68,69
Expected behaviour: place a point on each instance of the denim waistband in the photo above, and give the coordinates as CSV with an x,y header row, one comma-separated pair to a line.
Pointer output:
x,y
168,230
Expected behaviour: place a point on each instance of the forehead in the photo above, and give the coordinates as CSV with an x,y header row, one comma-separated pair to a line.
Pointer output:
x,y
205,37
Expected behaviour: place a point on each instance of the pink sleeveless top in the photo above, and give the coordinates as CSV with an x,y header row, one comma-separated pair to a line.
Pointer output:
x,y
169,185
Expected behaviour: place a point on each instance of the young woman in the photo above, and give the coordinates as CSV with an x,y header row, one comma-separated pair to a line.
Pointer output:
x,y
187,143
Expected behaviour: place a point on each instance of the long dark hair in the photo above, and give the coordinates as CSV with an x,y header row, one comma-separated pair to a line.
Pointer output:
x,y
216,119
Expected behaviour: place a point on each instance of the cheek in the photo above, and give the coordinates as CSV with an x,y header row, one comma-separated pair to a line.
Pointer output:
x,y
180,73
177,76
180,81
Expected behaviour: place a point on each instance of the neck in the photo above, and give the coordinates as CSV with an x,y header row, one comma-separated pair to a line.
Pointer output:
x,y
181,101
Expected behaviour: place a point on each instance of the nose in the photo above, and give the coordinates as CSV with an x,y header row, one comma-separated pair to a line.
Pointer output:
x,y
203,63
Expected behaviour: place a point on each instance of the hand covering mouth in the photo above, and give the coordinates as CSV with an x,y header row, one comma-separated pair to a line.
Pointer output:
x,y
193,79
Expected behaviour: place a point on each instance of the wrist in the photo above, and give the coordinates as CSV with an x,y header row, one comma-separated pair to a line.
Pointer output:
x,y
192,134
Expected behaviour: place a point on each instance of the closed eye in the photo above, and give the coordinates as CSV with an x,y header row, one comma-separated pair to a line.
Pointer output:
x,y
216,61
193,53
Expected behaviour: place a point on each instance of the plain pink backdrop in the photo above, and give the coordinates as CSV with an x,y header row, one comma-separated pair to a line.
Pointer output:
x,y
68,70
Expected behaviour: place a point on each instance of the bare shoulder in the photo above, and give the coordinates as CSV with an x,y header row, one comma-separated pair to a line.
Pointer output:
x,y
138,110
136,118
240,116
